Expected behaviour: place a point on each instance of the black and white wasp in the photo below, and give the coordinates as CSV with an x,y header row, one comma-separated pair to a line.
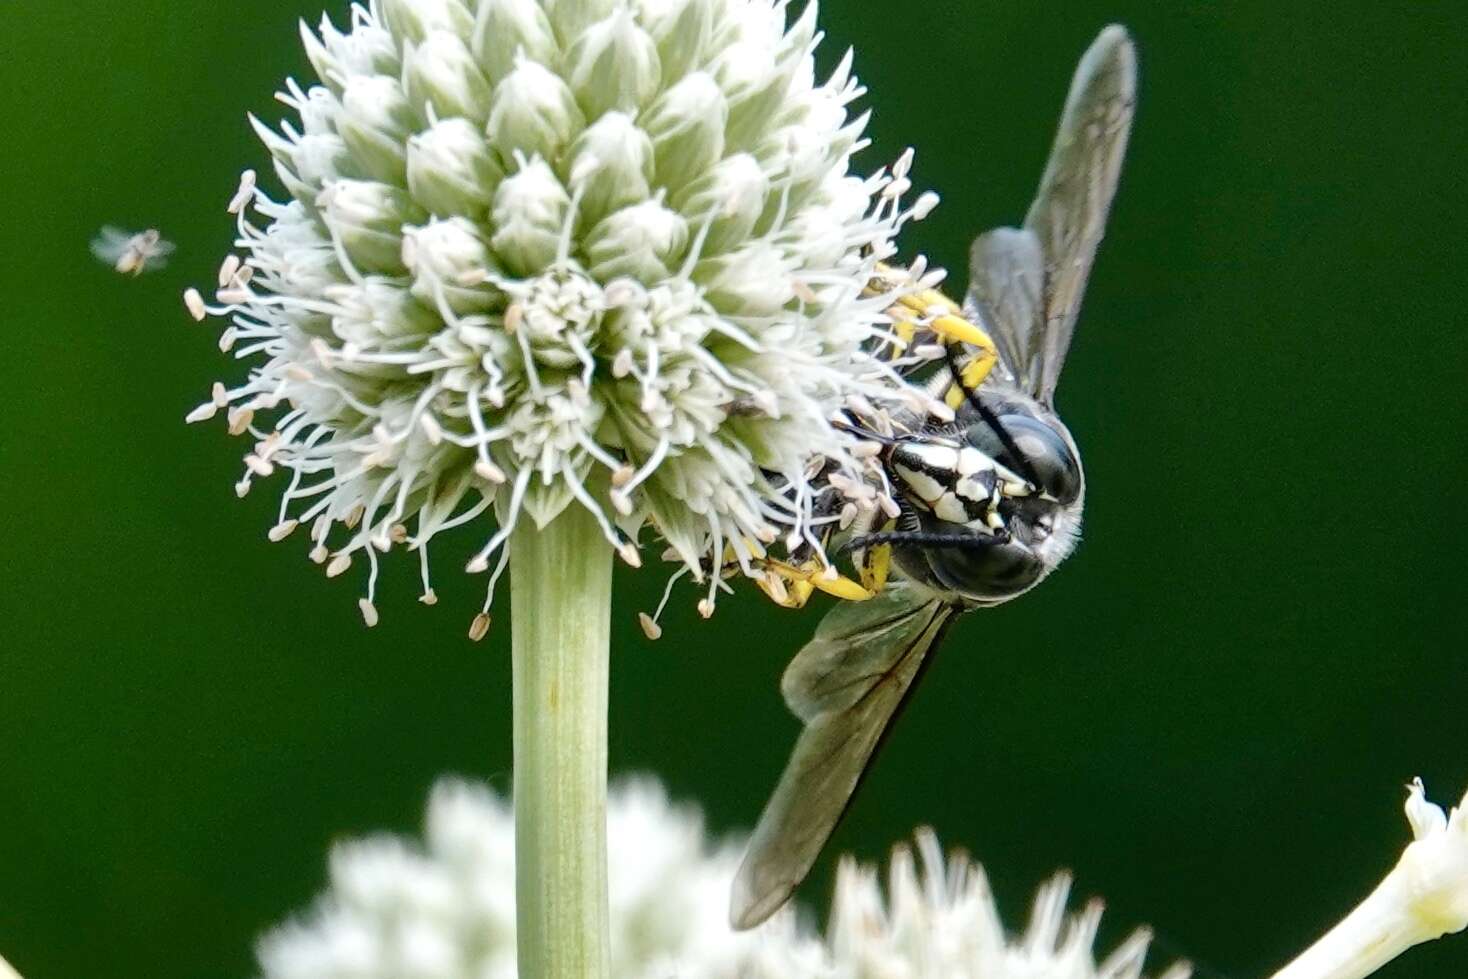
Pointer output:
x,y
990,502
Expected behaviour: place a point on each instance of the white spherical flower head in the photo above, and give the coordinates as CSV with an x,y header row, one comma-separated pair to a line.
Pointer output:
x,y
549,253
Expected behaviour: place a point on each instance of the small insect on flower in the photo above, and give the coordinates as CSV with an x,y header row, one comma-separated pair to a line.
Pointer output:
x,y
987,501
131,254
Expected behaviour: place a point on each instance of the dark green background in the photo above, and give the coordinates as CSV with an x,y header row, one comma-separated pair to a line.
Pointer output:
x,y
1208,714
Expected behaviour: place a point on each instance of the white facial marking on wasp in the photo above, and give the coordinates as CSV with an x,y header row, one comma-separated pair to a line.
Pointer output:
x,y
927,489
934,456
950,508
971,460
972,489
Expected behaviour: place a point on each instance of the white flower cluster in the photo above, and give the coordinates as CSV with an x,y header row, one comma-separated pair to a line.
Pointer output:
x,y
446,911
539,253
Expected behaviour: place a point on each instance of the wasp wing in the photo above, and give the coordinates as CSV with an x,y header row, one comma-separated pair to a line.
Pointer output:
x,y
1070,208
846,684
1006,289
110,244
1028,284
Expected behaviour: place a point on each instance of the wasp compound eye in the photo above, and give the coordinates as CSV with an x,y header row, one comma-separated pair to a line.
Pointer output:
x,y
1044,454
986,568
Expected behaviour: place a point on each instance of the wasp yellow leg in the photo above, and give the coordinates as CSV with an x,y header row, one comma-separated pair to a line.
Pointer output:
x,y
971,376
843,588
956,329
876,567
800,593
783,591
814,576
905,329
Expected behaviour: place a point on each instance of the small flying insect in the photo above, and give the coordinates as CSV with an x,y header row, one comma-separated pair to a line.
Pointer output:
x,y
132,254
990,502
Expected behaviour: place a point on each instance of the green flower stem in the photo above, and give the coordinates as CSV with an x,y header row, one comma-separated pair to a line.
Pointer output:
x,y
560,599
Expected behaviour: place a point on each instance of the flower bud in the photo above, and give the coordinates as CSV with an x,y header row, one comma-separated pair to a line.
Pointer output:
x,y
534,112
611,165
752,281
734,192
446,256
682,31
507,28
416,19
366,50
442,73
801,154
320,159
645,241
613,65
571,17
529,215
375,121
819,237
687,129
376,310
368,218
319,110
451,169
282,151
744,70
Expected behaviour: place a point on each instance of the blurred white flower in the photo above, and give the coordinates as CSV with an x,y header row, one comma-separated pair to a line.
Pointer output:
x,y
1423,898
940,922
6,972
542,253
445,910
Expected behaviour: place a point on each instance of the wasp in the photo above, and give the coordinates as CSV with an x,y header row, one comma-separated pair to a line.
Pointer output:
x,y
987,503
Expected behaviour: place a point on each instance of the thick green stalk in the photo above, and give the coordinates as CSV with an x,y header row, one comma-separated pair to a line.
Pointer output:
x,y
560,599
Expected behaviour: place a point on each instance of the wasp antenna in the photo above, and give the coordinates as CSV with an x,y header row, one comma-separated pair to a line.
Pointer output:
x,y
1021,461
964,542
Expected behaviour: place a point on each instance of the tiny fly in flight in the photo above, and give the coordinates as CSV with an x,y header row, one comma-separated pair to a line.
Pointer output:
x,y
132,254
990,502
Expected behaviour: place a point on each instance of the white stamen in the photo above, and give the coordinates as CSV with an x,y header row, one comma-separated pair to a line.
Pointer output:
x,y
283,530
244,194
650,628
194,302
228,268
488,471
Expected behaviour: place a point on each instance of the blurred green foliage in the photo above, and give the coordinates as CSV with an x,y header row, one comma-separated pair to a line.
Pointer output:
x,y
1208,714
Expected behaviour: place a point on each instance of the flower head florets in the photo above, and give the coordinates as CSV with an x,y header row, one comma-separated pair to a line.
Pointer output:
x,y
445,909
543,253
